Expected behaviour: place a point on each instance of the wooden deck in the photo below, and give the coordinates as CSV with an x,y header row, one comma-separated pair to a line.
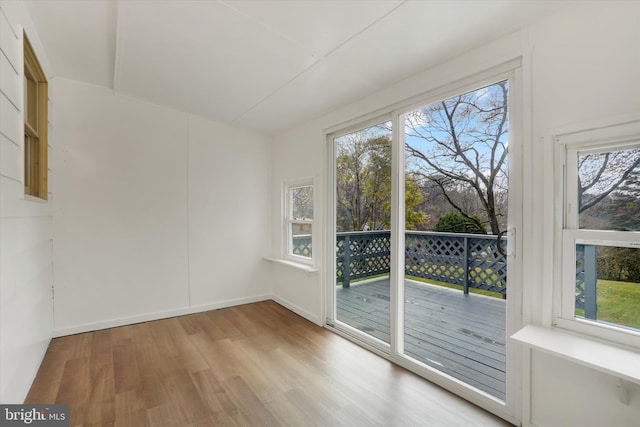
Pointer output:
x,y
462,336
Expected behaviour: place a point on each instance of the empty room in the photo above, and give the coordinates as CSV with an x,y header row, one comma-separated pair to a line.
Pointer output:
x,y
319,212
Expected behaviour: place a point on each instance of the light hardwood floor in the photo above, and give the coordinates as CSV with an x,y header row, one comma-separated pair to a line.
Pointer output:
x,y
254,365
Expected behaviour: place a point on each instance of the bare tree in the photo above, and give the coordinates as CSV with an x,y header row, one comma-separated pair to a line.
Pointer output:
x,y
601,174
609,199
461,143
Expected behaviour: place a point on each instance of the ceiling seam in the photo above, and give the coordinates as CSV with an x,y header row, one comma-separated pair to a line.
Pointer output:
x,y
117,54
269,95
365,29
269,28
288,82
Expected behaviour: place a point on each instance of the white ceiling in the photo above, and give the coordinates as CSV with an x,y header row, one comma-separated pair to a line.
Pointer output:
x,y
264,65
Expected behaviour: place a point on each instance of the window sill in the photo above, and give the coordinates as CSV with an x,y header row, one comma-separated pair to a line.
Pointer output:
x,y
297,265
603,357
31,198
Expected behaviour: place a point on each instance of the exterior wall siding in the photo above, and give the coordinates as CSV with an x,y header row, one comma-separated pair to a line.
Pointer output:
x,y
26,246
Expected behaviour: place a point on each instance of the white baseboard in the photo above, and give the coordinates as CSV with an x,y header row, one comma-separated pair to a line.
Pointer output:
x,y
296,309
20,396
123,321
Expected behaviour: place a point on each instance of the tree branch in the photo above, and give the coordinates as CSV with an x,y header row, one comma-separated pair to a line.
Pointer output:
x,y
614,187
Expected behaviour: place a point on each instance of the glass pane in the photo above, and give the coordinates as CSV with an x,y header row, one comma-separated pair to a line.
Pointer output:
x,y
31,104
31,156
608,284
455,274
363,220
301,235
363,175
302,202
609,190
27,163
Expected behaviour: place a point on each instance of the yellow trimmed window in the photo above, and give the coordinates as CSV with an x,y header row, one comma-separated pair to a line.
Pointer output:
x,y
35,125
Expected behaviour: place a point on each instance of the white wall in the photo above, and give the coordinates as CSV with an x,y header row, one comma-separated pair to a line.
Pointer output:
x,y
581,64
25,225
229,205
585,67
158,212
298,155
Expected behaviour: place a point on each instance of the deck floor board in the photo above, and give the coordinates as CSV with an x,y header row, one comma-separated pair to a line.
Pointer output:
x,y
462,336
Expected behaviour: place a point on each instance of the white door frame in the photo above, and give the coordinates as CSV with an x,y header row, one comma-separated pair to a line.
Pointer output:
x,y
510,410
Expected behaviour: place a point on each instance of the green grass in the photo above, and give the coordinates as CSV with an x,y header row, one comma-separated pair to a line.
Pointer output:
x,y
618,302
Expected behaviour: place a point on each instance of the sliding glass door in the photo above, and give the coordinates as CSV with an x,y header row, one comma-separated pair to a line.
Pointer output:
x,y
455,272
421,210
362,239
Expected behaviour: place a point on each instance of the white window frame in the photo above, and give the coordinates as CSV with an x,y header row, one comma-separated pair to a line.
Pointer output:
x,y
612,137
289,221
512,72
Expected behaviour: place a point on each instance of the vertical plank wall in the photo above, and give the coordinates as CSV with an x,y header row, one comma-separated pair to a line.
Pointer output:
x,y
177,225
26,254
